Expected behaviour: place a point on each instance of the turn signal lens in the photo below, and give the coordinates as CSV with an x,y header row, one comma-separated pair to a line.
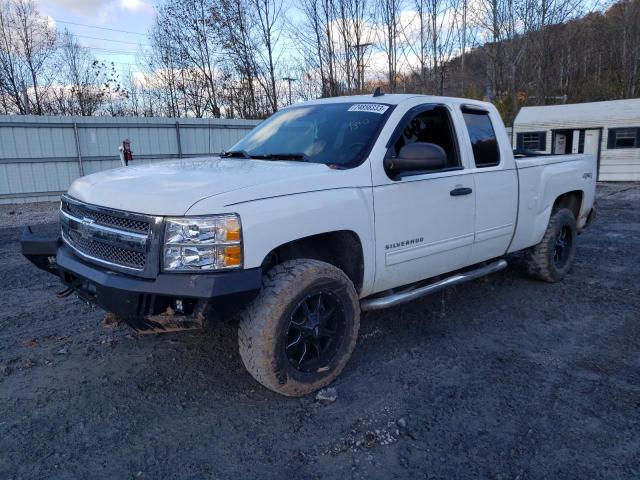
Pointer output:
x,y
233,230
233,256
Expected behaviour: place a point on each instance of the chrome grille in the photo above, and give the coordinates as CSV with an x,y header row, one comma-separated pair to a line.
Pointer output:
x,y
122,241
106,252
125,223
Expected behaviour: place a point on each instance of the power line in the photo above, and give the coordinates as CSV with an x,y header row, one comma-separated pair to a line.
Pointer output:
x,y
283,48
100,28
113,51
108,40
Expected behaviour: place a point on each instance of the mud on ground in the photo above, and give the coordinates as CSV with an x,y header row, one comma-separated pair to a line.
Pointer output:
x,y
502,378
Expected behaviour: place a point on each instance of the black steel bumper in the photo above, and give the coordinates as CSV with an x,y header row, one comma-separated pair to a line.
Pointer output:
x,y
167,303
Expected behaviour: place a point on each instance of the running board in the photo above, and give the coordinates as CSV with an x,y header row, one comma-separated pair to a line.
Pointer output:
x,y
402,297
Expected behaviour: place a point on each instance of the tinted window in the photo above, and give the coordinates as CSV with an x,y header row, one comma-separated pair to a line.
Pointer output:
x,y
430,126
483,138
331,133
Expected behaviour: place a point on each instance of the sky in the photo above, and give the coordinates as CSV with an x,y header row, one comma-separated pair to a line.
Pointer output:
x,y
115,29
94,22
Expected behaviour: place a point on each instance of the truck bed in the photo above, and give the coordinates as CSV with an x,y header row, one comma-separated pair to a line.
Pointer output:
x,y
541,180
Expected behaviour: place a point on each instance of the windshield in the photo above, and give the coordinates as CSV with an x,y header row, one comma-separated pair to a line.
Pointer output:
x,y
331,133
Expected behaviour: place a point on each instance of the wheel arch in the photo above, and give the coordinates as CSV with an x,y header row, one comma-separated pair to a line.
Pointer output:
x,y
571,200
341,248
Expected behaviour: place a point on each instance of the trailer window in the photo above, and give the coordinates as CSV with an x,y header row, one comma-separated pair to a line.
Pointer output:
x,y
623,138
483,138
536,141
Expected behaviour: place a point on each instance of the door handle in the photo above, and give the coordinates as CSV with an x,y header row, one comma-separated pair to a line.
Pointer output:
x,y
456,192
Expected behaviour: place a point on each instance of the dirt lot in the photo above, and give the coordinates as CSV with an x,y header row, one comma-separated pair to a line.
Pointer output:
x,y
503,378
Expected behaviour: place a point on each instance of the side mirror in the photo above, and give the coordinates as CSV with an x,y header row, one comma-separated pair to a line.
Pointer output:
x,y
416,157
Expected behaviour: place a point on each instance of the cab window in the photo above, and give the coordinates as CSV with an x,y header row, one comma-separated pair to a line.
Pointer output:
x,y
483,137
432,125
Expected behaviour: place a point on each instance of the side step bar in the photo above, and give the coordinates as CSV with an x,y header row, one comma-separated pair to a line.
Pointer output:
x,y
406,296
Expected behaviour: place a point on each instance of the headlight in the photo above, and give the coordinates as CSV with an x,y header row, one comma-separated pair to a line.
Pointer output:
x,y
202,243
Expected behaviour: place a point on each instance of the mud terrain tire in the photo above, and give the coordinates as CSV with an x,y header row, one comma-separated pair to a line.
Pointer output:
x,y
552,258
285,312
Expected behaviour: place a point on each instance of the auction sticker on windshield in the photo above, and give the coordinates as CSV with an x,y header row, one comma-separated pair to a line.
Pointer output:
x,y
369,107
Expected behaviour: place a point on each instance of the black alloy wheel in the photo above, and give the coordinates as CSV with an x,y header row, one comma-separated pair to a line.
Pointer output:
x,y
562,248
551,259
315,332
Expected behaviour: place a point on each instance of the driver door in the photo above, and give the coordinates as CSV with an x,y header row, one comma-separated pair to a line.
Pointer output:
x,y
424,222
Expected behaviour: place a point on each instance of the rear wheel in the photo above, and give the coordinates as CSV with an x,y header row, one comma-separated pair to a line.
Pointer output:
x,y
553,257
299,333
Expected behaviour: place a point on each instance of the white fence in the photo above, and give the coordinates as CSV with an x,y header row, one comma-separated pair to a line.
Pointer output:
x,y
41,156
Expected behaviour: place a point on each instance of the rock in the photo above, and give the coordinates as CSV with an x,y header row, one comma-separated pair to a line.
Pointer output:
x,y
327,395
63,351
369,439
402,423
110,320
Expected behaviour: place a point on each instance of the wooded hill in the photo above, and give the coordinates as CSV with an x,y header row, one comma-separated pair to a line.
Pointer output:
x,y
596,57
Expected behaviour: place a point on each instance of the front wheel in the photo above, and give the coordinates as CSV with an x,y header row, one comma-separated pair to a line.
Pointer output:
x,y
299,333
552,258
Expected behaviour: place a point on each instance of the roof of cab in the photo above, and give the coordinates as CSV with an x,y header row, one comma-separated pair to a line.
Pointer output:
x,y
393,99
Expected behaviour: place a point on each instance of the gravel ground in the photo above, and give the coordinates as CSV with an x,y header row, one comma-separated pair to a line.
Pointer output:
x,y
502,378
19,215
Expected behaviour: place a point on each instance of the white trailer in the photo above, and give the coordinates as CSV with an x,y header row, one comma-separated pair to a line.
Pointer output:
x,y
610,130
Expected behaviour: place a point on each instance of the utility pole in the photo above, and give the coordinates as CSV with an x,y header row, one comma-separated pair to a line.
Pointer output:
x,y
289,80
25,99
464,44
360,63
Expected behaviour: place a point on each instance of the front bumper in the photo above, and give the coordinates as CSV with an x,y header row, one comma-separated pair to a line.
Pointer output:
x,y
168,302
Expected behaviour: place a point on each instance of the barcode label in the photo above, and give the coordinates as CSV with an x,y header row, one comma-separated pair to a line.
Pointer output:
x,y
369,107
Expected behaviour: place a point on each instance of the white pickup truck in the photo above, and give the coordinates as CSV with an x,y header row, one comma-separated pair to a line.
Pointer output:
x,y
326,209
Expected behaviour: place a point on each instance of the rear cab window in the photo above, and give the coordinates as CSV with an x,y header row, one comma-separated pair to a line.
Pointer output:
x,y
484,143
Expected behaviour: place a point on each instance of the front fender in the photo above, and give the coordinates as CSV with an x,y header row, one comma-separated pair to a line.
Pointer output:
x,y
271,222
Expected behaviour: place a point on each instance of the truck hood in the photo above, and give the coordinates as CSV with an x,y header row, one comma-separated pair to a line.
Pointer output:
x,y
172,187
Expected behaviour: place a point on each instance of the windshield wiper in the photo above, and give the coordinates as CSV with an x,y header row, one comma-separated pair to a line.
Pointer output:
x,y
284,156
236,154
269,156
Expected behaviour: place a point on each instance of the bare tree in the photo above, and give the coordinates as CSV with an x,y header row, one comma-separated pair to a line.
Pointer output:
x,y
505,25
309,36
389,17
27,42
37,41
191,33
627,14
443,36
83,81
540,16
162,63
268,15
